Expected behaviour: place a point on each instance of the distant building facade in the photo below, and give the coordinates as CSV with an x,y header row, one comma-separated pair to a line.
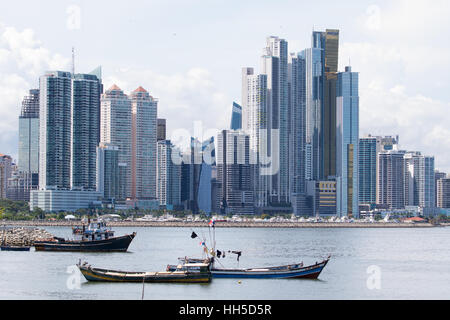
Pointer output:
x,y
144,139
116,129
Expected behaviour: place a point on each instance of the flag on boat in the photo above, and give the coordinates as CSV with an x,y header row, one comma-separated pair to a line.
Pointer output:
x,y
212,223
194,235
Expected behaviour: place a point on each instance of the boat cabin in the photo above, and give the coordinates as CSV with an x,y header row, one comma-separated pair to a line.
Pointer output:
x,y
96,231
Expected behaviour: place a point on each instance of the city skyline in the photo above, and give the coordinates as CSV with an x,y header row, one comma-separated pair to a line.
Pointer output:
x,y
395,97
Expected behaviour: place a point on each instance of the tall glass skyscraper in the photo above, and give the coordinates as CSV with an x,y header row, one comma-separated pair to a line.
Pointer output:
x,y
55,130
275,66
116,127
144,140
368,170
236,117
419,180
347,142
85,130
69,130
314,109
255,122
168,175
297,123
390,182
29,133
27,177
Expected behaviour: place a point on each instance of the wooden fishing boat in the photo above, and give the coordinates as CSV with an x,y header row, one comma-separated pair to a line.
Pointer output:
x,y
15,248
97,237
294,271
117,244
190,273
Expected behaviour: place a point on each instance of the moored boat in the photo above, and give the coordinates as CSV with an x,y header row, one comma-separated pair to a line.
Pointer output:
x,y
95,238
189,273
15,248
294,271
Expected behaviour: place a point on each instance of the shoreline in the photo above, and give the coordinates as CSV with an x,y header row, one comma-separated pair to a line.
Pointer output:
x,y
245,224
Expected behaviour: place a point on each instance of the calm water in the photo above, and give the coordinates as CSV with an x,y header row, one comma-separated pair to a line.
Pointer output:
x,y
414,264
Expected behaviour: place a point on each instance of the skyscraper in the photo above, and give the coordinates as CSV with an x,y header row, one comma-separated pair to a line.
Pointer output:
x,y
236,117
347,142
255,122
162,129
144,139
168,175
116,128
55,130
314,109
108,172
297,122
437,176
419,180
27,176
29,133
234,173
275,66
368,170
5,174
443,193
391,186
85,130
329,109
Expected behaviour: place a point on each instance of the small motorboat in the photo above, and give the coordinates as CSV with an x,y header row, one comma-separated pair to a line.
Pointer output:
x,y
188,273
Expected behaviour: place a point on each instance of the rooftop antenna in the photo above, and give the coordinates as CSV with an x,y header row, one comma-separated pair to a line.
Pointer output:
x,y
73,60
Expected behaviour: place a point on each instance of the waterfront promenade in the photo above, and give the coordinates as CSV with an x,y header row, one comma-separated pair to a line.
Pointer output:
x,y
228,224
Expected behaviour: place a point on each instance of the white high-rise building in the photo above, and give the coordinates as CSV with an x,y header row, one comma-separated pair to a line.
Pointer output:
x,y
419,180
255,124
275,66
168,175
116,129
144,139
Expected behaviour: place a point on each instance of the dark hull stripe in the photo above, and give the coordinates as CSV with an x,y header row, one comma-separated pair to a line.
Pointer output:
x,y
97,277
120,244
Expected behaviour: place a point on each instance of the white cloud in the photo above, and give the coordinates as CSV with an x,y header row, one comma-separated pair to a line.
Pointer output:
x,y
184,98
22,60
404,66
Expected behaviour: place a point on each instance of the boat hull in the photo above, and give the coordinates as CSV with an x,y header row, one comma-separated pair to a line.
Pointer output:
x,y
310,272
118,244
100,275
15,248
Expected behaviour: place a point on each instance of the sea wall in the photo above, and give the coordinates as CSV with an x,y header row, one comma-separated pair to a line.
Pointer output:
x,y
244,224
22,236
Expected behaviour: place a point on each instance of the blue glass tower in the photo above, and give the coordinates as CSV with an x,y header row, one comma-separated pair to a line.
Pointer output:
x,y
368,170
347,142
236,118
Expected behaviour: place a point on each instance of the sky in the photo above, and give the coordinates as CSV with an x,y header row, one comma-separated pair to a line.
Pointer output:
x,y
189,54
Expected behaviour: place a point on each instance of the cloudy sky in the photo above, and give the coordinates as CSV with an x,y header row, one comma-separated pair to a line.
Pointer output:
x,y
189,55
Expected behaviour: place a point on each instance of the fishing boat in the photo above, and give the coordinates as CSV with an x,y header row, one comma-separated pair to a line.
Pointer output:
x,y
293,271
15,248
97,237
188,273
